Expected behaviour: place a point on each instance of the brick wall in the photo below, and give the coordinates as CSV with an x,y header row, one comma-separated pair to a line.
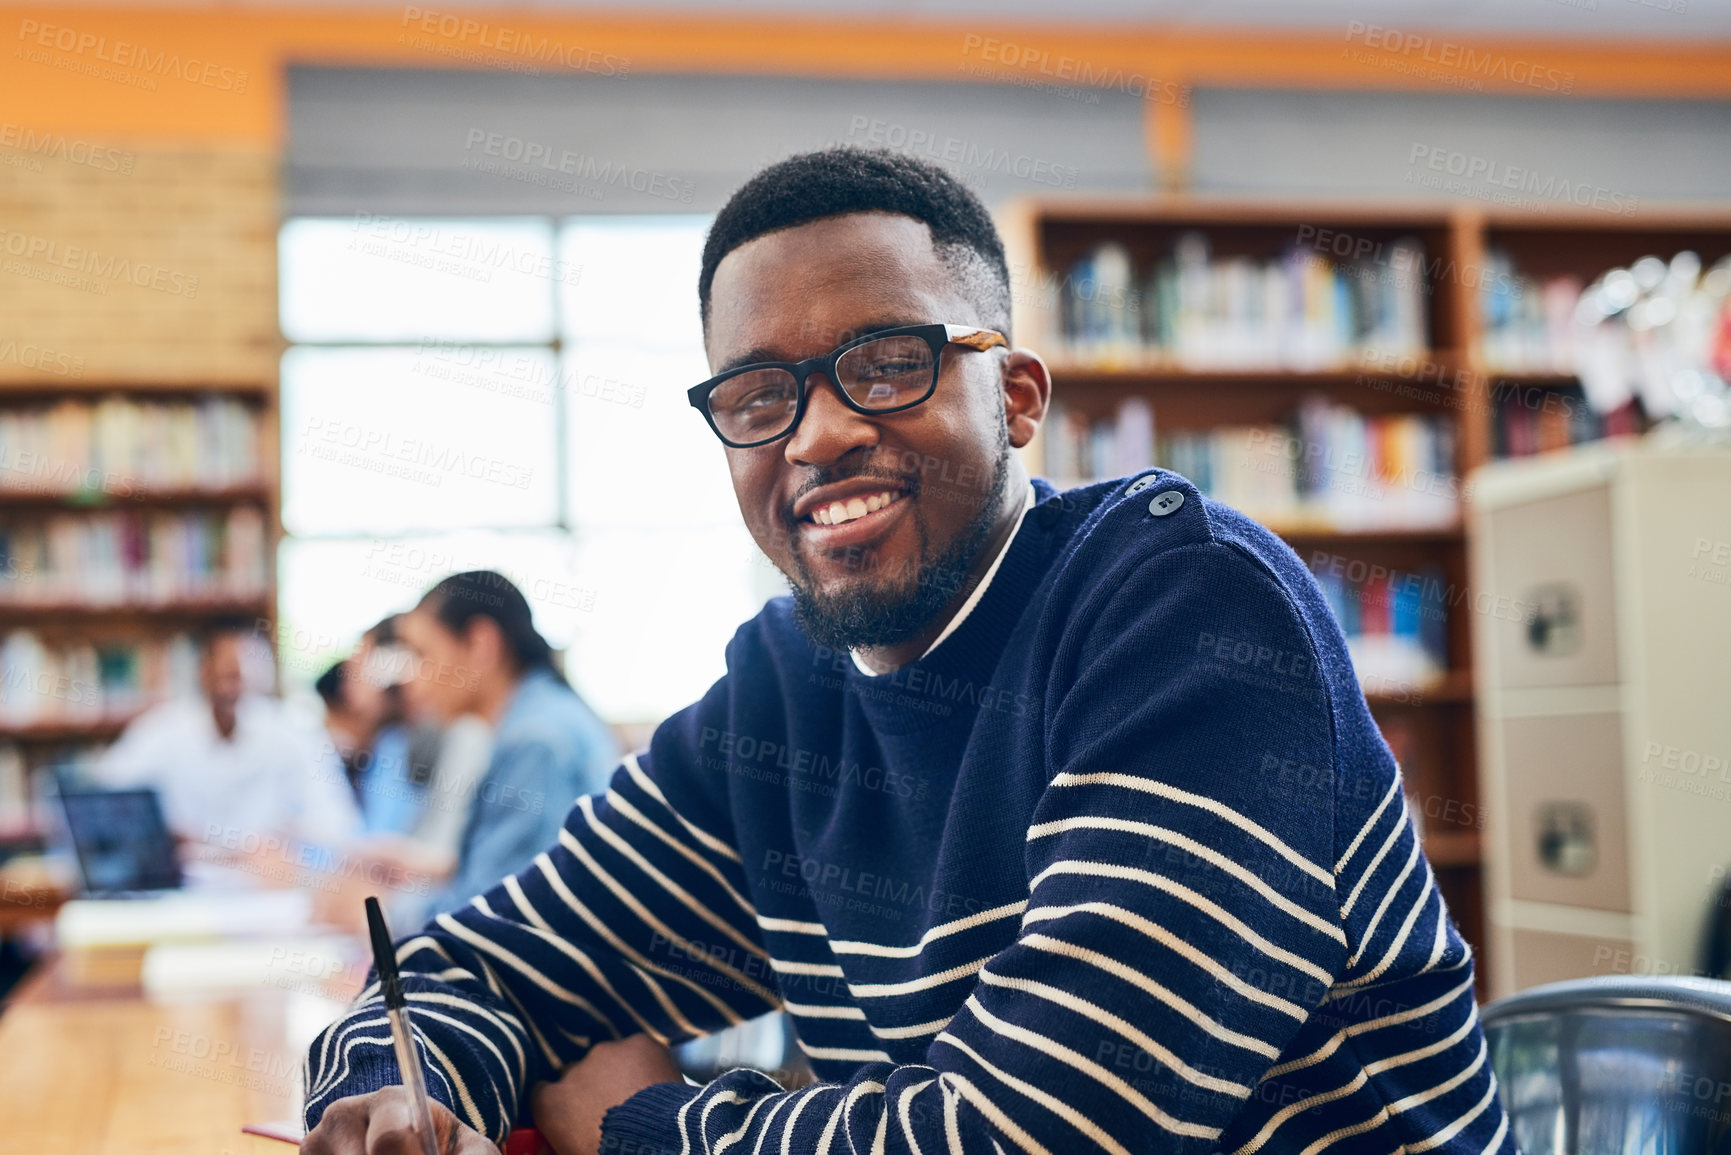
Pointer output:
x,y
121,266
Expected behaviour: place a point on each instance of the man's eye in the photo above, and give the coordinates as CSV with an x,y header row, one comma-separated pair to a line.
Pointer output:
x,y
763,399
894,367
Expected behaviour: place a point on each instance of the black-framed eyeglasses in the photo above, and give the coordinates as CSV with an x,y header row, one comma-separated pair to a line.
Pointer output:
x,y
882,372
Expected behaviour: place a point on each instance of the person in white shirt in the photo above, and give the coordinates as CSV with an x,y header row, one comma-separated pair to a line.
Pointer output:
x,y
235,768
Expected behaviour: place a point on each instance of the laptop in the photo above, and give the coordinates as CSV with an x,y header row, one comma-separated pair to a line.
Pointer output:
x,y
122,842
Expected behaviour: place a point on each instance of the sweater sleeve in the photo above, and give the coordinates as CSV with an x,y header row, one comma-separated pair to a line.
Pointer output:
x,y
1181,922
635,920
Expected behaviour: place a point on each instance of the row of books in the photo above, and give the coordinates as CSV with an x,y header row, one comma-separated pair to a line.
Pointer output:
x,y
1395,622
1534,421
135,557
1529,324
1328,467
1301,310
90,682
124,447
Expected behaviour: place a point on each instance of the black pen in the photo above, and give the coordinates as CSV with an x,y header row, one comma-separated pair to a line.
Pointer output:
x,y
397,1010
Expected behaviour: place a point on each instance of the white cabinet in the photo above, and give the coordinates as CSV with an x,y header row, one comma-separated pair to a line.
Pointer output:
x,y
1601,615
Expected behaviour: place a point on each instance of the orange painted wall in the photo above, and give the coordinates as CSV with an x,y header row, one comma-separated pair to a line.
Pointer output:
x,y
215,75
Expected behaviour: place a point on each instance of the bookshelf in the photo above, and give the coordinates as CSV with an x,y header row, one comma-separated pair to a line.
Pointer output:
x,y
1403,344
131,513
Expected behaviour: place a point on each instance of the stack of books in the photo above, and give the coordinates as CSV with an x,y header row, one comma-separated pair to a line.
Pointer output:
x,y
1299,311
122,446
135,558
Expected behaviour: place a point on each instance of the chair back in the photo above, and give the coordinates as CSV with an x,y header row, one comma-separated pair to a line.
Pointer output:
x,y
1616,1066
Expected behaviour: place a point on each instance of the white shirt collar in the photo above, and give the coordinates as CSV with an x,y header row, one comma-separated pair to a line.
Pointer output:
x,y
973,598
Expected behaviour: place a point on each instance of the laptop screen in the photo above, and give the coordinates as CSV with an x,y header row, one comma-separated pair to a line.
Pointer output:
x,y
122,841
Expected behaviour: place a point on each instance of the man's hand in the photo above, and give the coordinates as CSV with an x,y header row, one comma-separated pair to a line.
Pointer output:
x,y
568,1113
378,1124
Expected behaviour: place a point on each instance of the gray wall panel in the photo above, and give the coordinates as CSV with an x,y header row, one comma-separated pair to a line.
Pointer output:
x,y
1542,149
417,142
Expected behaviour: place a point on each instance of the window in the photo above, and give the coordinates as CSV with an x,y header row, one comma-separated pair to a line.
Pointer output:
x,y
509,393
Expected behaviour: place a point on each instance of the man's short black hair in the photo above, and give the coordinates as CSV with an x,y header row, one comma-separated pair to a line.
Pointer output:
x,y
212,629
813,185
332,685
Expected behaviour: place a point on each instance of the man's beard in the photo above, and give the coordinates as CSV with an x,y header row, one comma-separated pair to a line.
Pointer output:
x,y
882,611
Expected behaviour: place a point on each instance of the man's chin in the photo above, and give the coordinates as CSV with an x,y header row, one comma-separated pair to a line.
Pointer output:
x,y
852,614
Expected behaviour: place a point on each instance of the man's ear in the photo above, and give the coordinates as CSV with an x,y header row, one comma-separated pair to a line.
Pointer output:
x,y
1027,389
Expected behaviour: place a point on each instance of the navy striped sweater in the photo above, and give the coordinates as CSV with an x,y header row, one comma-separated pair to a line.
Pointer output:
x,y
1120,865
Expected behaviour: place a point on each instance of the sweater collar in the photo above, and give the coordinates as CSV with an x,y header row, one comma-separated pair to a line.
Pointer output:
x,y
973,598
955,678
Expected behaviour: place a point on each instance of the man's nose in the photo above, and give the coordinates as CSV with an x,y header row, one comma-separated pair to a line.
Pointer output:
x,y
829,429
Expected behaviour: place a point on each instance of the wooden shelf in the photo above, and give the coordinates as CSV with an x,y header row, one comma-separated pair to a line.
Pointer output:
x,y
87,611
104,729
102,500
1392,535
1153,375
1455,688
1452,847
62,388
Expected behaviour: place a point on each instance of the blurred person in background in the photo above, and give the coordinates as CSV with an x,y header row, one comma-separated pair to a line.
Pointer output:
x,y
476,653
388,757
235,760
352,718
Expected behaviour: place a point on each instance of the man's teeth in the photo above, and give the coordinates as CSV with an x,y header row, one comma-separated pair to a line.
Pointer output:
x,y
837,512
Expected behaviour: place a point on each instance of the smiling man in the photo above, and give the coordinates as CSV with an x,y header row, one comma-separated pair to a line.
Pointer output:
x,y
1055,821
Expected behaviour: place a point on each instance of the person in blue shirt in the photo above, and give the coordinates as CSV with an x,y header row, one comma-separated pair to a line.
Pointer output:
x,y
476,651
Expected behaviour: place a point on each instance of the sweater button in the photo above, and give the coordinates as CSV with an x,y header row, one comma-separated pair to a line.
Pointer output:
x,y
1166,502
1140,484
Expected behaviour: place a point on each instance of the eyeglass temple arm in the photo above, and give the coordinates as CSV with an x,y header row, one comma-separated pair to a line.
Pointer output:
x,y
981,339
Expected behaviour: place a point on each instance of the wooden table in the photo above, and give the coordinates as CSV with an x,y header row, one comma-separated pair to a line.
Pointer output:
x,y
90,1070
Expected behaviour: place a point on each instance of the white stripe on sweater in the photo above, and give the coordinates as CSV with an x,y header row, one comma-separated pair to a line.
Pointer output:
x,y
924,982
1202,802
1364,830
1195,849
1123,1027
650,788
1354,1029
624,805
701,910
1070,1058
1388,897
902,1105
941,931
564,946
1460,1124
790,926
810,1011
1370,871
983,1103
639,965
635,905
1179,891
1172,942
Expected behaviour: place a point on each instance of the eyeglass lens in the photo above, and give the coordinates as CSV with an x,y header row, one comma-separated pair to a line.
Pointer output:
x,y
881,374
